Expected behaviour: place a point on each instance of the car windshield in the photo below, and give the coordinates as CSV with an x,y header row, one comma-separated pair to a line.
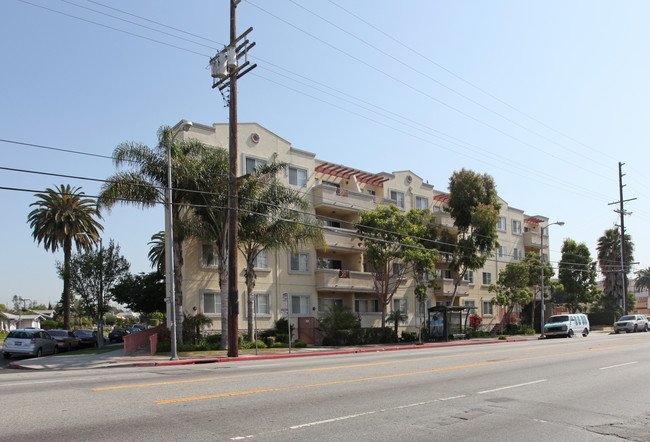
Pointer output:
x,y
84,332
562,318
61,333
627,318
20,334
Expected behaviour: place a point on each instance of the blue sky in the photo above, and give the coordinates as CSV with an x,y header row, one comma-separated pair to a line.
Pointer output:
x,y
546,96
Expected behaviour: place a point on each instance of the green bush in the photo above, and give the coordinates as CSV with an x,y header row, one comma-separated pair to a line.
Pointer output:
x,y
480,334
269,341
250,345
213,338
299,344
49,324
164,347
281,345
282,337
409,336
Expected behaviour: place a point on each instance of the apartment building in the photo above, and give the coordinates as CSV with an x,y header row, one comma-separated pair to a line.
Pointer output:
x,y
303,284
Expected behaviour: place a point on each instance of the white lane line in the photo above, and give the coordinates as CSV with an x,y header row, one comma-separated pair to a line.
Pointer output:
x,y
615,366
512,386
29,383
351,416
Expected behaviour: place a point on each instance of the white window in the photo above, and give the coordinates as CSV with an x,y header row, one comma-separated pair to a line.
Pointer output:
x,y
325,304
516,227
261,261
399,304
487,278
300,305
254,163
208,255
262,303
211,303
447,274
469,277
487,308
297,177
502,251
437,209
516,254
398,268
299,262
398,197
366,306
469,304
501,225
421,202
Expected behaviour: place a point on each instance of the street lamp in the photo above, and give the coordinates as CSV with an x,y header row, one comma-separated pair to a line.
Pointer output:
x,y
169,227
100,296
541,261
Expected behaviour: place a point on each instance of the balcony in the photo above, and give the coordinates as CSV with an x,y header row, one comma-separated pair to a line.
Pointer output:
x,y
445,220
342,239
533,240
344,280
445,287
344,199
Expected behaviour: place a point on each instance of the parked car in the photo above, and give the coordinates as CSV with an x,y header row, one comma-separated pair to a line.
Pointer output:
x,y
31,342
139,327
567,325
631,323
65,338
87,337
117,334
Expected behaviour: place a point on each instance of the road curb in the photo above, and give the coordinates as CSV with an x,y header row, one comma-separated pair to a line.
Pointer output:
x,y
323,353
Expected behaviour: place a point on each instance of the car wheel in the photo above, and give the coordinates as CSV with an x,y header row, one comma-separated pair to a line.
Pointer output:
x,y
56,349
570,334
39,352
585,332
68,348
616,331
635,328
6,355
645,329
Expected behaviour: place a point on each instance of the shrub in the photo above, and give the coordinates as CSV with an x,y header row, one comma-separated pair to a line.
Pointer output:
x,y
213,338
299,344
409,336
164,347
269,340
282,337
249,345
281,345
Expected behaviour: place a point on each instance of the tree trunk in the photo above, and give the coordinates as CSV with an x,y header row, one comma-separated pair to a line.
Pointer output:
x,y
67,255
178,288
223,285
250,286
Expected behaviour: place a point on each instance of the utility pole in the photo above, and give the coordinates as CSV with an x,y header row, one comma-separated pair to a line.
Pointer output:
x,y
621,211
225,67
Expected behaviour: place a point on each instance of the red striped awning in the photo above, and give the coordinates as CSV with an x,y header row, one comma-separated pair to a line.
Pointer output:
x,y
345,172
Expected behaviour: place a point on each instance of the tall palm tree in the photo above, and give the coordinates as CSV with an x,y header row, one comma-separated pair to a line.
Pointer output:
x,y
642,280
156,253
144,184
609,260
271,217
60,216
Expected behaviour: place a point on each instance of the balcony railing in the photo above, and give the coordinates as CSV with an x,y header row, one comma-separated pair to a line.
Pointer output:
x,y
445,219
344,280
445,287
532,239
342,239
331,196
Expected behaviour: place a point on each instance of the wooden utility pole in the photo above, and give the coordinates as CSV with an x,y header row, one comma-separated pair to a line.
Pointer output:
x,y
225,67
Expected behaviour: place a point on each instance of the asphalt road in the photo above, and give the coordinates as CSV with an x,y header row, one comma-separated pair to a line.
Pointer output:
x,y
580,389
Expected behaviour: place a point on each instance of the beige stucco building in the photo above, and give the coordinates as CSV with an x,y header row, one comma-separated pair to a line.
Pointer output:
x,y
305,283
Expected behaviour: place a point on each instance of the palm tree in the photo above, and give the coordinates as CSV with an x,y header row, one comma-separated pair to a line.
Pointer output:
x,y
609,260
157,251
642,280
60,218
396,317
271,217
144,185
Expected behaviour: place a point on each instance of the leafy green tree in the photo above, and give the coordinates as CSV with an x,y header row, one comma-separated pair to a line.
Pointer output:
x,y
142,293
143,184
474,206
577,274
533,262
272,217
397,317
609,260
385,235
3,308
59,216
92,276
512,288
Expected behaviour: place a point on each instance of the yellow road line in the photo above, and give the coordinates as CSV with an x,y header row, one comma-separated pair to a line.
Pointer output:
x,y
348,381
306,370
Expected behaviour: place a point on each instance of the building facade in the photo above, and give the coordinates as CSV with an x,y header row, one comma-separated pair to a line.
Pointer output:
x,y
303,284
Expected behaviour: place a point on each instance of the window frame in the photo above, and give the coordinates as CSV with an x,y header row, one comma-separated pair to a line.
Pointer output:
x,y
258,162
489,311
266,295
297,171
396,199
215,293
256,264
323,305
516,227
503,227
400,302
215,257
489,278
419,200
307,255
306,296
367,301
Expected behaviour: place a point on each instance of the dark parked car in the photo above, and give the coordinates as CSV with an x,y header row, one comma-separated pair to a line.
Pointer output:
x,y
65,339
31,342
87,338
117,334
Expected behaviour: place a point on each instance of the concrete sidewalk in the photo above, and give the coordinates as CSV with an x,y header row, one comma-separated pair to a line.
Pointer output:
x,y
117,358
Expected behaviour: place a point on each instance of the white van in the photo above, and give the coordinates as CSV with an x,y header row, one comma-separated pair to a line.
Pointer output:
x,y
567,325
